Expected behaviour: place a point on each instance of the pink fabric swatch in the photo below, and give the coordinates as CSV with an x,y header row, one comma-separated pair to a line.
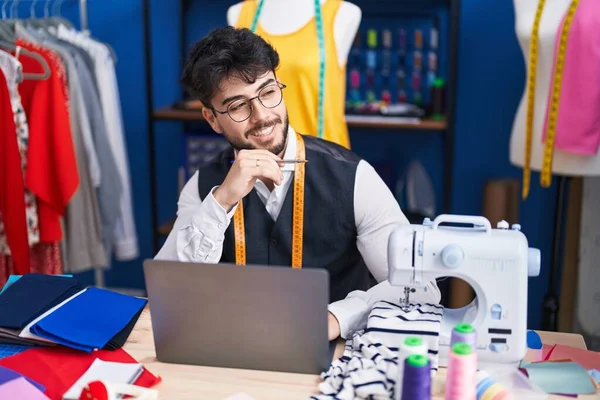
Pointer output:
x,y
21,389
587,358
578,118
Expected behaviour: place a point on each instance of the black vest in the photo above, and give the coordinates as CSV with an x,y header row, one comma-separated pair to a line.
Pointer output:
x,y
329,225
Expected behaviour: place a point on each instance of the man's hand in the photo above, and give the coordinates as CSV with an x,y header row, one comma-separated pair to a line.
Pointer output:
x,y
249,166
333,327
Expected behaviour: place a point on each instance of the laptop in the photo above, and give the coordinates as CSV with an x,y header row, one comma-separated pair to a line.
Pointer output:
x,y
252,317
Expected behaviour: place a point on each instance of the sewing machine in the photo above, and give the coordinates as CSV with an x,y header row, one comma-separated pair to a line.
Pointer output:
x,y
495,262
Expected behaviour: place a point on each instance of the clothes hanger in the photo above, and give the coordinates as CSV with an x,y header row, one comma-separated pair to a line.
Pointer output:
x,y
7,31
33,22
56,19
47,21
59,18
21,51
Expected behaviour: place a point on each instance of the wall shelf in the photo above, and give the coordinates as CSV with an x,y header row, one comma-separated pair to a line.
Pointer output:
x,y
376,121
177,114
353,121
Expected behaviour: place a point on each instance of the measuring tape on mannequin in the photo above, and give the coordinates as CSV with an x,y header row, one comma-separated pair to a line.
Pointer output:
x,y
546,174
321,43
298,215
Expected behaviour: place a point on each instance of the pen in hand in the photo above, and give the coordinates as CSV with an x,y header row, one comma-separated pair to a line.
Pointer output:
x,y
287,161
293,161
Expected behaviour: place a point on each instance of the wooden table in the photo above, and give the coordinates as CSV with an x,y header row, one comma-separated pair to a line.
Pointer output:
x,y
195,382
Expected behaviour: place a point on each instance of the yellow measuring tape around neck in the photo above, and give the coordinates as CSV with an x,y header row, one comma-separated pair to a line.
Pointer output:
x,y
298,214
546,173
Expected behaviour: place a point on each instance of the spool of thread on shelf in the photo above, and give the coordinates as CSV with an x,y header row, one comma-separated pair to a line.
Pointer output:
x,y
437,99
488,389
464,333
355,79
387,39
462,366
416,381
372,38
402,39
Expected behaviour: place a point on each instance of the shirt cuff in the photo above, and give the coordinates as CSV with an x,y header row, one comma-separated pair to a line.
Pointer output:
x,y
351,314
126,249
211,218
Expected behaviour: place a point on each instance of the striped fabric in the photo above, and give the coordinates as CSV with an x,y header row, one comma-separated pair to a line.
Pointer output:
x,y
368,369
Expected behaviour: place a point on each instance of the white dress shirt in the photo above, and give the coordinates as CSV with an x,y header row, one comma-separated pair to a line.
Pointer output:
x,y
199,231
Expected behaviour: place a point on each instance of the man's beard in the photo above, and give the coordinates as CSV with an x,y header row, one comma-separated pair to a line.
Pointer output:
x,y
274,147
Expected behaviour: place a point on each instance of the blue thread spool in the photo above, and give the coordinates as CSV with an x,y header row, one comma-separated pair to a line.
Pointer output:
x,y
416,382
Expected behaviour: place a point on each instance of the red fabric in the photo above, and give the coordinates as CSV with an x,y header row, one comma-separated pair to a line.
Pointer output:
x,y
52,173
59,368
12,187
44,259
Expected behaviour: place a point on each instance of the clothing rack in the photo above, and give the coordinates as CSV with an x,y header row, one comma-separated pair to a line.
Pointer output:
x,y
83,19
83,16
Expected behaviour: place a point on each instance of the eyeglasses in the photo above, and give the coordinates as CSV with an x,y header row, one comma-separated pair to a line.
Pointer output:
x,y
240,110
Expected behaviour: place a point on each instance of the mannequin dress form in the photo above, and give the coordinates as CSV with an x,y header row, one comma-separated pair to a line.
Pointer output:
x,y
564,163
281,23
573,156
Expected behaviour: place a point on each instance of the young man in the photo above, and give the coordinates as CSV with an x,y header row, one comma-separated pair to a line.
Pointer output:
x,y
348,211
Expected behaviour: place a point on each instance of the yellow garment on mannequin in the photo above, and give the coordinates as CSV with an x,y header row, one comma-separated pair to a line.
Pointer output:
x,y
299,70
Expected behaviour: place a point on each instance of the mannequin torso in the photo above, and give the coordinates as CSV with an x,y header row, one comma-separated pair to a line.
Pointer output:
x,y
280,17
564,163
290,26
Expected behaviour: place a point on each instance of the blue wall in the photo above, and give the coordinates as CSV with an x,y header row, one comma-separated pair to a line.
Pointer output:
x,y
490,83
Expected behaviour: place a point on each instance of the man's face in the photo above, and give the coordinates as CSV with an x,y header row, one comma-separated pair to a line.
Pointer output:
x,y
265,128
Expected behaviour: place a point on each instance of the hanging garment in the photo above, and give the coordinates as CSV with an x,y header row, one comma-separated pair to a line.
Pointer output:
x,y
301,74
52,170
12,187
110,190
83,233
13,71
45,259
75,102
125,235
369,366
578,119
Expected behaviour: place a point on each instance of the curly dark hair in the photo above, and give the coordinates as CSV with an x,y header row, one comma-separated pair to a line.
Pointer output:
x,y
223,53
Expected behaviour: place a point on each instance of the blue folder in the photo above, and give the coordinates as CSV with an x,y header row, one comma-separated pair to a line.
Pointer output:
x,y
90,320
31,296
13,278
